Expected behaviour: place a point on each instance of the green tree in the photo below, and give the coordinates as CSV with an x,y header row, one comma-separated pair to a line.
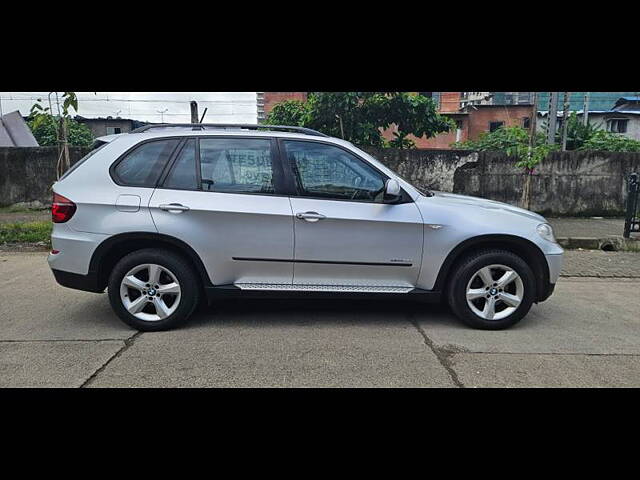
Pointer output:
x,y
360,116
514,141
46,133
41,114
610,142
289,112
577,132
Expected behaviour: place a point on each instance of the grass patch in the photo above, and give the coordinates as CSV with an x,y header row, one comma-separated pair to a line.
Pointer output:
x,y
26,232
13,209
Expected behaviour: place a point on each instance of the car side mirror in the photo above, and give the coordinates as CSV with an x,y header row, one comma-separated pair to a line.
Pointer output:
x,y
392,191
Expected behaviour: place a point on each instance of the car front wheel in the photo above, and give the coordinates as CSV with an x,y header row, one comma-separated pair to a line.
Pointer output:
x,y
491,290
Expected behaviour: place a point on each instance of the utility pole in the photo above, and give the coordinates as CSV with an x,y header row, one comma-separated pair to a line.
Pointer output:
x,y
532,123
341,128
565,115
585,109
194,112
526,190
553,118
162,112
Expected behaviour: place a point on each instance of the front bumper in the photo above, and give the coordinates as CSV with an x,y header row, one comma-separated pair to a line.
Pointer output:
x,y
554,262
548,290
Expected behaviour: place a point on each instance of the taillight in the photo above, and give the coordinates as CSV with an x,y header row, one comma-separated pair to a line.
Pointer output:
x,y
62,209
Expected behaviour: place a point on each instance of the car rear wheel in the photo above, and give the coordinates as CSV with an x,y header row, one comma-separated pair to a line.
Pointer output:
x,y
153,289
491,290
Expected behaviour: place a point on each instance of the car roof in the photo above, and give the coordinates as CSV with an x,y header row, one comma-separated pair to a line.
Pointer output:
x,y
226,132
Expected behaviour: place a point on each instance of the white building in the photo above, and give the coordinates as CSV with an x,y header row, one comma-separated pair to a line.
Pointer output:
x,y
623,118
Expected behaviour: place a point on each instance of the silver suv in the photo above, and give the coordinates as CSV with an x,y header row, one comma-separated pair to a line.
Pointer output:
x,y
169,215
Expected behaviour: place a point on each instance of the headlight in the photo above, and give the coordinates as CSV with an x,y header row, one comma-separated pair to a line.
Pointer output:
x,y
546,232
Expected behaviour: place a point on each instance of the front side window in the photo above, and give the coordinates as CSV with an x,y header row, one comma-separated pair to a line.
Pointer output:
x,y
142,167
330,172
236,165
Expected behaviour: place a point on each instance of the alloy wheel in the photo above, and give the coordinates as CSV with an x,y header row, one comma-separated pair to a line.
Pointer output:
x,y
495,292
150,292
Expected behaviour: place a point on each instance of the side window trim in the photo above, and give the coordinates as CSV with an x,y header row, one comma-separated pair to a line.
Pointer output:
x,y
172,160
291,170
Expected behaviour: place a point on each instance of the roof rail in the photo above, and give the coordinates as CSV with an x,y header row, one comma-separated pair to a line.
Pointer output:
x,y
205,126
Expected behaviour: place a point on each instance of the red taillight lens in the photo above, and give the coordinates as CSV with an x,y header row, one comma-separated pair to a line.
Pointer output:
x,y
62,209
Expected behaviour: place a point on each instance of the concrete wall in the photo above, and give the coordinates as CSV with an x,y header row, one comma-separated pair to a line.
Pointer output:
x,y
566,183
427,169
27,173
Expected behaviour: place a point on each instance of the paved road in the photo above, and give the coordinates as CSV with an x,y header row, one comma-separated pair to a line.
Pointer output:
x,y
587,334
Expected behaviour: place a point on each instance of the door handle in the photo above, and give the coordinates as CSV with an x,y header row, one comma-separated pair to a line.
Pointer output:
x,y
173,207
310,216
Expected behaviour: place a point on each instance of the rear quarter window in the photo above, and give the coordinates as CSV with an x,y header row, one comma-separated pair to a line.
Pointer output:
x,y
142,166
97,145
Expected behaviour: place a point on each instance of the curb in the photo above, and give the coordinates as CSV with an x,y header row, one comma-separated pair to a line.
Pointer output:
x,y
613,243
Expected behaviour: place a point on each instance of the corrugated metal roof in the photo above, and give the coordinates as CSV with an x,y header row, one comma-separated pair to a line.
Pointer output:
x,y
14,132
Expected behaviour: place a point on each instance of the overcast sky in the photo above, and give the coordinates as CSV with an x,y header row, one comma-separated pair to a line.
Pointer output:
x,y
223,107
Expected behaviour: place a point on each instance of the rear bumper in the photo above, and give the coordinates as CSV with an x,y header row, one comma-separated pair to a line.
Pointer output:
x,y
77,281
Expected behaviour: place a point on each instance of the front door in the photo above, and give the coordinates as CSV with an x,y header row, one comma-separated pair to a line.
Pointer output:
x,y
344,233
221,197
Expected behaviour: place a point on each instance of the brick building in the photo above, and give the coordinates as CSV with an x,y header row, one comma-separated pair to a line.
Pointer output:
x,y
266,101
470,121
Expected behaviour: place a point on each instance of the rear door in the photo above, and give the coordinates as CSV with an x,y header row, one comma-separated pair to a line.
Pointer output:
x,y
344,233
223,197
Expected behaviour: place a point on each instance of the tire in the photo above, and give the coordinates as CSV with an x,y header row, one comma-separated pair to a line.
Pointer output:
x,y
469,284
162,309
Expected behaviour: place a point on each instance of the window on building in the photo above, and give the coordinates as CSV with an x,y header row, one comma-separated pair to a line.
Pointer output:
x,y
526,122
493,126
617,125
113,130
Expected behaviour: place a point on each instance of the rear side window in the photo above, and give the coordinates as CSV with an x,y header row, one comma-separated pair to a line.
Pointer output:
x,y
236,165
142,167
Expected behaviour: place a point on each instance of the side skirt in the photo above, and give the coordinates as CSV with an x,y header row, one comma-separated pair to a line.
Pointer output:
x,y
233,291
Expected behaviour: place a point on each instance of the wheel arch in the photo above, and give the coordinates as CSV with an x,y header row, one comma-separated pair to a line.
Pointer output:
x,y
526,249
107,254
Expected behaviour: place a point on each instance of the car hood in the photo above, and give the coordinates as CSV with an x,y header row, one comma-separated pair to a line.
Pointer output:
x,y
453,199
